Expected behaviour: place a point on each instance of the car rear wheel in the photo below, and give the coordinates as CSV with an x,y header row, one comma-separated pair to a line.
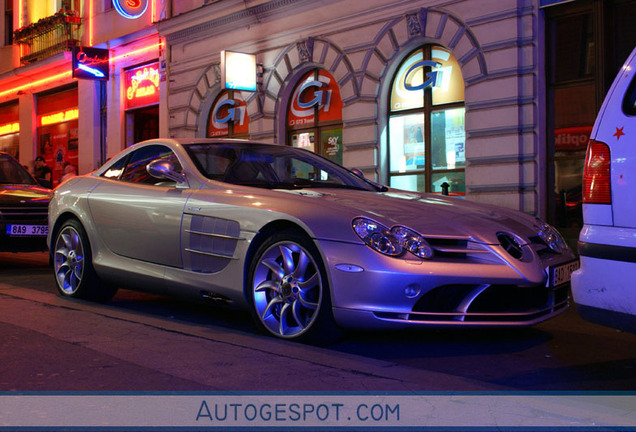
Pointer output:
x,y
72,264
288,290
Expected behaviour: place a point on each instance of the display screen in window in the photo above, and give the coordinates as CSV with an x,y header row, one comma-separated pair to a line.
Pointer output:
x,y
407,142
448,139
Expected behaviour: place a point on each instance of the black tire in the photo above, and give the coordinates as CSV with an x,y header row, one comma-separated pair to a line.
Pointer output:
x,y
75,276
288,290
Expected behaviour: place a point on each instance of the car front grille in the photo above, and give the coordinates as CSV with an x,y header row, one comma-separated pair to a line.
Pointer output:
x,y
460,249
24,214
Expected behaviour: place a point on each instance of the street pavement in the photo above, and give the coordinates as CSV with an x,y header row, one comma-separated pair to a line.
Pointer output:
x,y
50,343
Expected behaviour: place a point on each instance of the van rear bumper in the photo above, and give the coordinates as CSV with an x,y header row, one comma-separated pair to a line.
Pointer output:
x,y
608,252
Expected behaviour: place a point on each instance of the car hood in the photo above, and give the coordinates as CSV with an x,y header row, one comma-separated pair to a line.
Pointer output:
x,y
18,194
429,214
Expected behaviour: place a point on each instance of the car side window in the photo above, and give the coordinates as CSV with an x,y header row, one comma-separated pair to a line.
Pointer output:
x,y
115,170
135,170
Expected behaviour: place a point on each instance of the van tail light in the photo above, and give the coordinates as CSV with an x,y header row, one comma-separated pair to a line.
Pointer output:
x,y
596,176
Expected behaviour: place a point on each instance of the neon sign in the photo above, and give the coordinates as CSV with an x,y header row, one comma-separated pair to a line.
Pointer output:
x,y
9,128
90,63
59,117
142,85
131,9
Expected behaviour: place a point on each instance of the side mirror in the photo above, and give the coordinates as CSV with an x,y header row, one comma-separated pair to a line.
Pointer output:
x,y
357,172
163,169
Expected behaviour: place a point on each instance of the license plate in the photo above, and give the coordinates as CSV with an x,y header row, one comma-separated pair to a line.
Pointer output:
x,y
27,230
562,273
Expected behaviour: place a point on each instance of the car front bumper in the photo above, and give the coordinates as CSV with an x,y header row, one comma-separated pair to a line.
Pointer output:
x,y
370,290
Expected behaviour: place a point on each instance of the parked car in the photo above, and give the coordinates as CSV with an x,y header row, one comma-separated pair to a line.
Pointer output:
x,y
603,288
307,245
23,208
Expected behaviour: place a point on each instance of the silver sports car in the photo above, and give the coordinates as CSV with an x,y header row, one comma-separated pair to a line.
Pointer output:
x,y
307,245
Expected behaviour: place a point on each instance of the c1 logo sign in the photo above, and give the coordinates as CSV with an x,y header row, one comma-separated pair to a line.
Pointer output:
x,y
433,78
131,9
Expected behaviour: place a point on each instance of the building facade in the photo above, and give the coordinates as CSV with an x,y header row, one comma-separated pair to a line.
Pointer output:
x,y
491,100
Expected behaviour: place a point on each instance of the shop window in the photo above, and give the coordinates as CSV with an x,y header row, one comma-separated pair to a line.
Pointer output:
x,y
426,124
228,116
10,129
57,118
314,117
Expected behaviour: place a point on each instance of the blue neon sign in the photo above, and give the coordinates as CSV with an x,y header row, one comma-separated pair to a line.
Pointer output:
x,y
131,9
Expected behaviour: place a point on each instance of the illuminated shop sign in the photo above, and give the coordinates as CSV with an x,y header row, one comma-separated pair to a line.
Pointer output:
x,y
226,111
142,85
59,117
432,77
572,138
238,71
313,92
90,63
9,128
440,73
131,9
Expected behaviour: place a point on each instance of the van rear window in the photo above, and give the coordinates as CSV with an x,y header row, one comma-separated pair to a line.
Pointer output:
x,y
629,102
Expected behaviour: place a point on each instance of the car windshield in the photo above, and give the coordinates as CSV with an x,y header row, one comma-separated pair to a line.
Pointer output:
x,y
11,172
272,167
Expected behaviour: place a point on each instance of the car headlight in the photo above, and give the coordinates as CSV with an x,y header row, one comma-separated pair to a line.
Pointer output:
x,y
377,237
413,242
552,238
392,242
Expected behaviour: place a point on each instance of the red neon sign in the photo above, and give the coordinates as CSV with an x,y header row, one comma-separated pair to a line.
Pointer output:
x,y
59,117
9,128
142,86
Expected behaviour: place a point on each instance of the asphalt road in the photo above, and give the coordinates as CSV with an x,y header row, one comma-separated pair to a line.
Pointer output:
x,y
142,342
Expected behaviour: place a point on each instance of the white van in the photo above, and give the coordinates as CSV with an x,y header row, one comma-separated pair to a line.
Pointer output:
x,y
604,288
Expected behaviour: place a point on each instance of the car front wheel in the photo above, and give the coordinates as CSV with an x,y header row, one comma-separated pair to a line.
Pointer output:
x,y
289,292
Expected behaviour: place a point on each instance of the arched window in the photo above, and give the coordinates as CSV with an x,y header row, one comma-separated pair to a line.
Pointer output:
x,y
228,116
314,117
426,123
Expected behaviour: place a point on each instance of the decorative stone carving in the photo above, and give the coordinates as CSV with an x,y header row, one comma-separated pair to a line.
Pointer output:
x,y
414,25
305,50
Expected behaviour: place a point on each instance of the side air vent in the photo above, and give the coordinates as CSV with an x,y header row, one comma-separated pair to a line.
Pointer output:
x,y
208,243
